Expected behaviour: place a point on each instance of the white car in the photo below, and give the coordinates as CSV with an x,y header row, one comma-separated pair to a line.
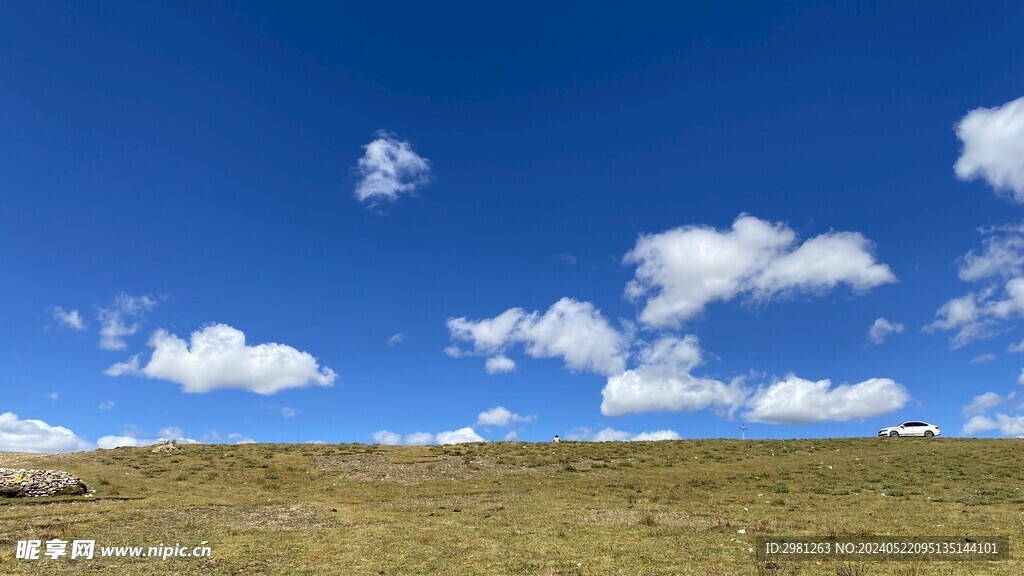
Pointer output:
x,y
911,428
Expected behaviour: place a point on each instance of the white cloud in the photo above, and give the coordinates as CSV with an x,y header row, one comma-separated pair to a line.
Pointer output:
x,y
396,339
390,168
501,416
1005,424
218,357
682,354
682,270
18,435
656,389
171,433
993,148
238,438
511,436
656,435
822,263
984,313
663,383
980,315
1016,348
287,412
168,434
984,402
489,335
499,365
108,405
129,366
53,395
881,328
121,318
612,435
387,438
211,437
1002,255
798,401
567,259
70,319
113,441
419,438
579,434
460,436
982,358
575,331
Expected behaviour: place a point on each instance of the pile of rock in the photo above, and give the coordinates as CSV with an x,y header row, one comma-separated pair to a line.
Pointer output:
x,y
168,447
37,483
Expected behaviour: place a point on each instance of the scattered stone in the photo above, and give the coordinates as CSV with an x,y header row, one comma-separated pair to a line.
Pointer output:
x,y
39,483
169,447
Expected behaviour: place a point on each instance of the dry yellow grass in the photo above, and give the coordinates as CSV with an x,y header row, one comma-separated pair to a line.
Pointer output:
x,y
513,508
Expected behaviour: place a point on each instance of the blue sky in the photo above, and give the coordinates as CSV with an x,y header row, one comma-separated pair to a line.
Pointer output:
x,y
349,222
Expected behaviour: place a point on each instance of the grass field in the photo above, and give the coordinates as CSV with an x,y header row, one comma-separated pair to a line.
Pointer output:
x,y
517,508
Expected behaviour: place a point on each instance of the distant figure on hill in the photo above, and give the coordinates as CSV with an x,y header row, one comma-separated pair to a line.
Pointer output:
x,y
556,440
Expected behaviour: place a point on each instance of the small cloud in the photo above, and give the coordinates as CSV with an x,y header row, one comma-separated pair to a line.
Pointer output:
x,y
237,438
612,435
289,412
130,366
31,435
573,330
390,168
387,438
511,436
681,271
663,382
131,438
108,405
655,436
171,433
53,395
396,339
567,259
501,417
984,402
882,328
1016,348
217,356
122,318
70,319
114,441
1005,424
798,401
419,438
579,434
500,365
993,139
982,358
461,436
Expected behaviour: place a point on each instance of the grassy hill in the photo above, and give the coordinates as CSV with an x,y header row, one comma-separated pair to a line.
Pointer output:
x,y
517,508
